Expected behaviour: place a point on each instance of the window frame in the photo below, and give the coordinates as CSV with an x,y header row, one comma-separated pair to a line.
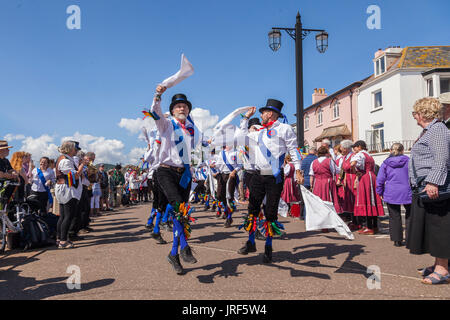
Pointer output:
x,y
374,100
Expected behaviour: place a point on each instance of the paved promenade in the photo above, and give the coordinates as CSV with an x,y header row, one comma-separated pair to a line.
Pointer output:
x,y
120,261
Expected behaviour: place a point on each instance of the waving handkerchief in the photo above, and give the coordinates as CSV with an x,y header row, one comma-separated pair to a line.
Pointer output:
x,y
186,70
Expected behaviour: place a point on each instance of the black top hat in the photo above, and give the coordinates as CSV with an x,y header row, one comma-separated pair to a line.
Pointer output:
x,y
273,105
253,121
180,98
360,143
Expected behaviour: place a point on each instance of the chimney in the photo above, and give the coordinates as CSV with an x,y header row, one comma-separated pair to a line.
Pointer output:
x,y
319,94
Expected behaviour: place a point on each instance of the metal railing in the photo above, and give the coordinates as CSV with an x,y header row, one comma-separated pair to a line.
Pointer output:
x,y
386,146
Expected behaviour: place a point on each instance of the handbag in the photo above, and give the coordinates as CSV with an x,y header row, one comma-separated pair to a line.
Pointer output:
x,y
443,191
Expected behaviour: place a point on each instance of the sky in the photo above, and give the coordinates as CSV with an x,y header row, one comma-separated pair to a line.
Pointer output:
x,y
91,84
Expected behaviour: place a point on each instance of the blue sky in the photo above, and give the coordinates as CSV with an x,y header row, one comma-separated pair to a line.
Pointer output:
x,y
57,82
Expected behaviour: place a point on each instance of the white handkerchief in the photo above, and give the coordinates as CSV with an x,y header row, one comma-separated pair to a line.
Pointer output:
x,y
186,70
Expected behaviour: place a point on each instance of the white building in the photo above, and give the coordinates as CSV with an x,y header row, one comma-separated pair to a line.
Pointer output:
x,y
385,100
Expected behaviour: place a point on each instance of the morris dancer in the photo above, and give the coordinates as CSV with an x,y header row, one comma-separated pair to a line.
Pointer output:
x,y
271,143
227,166
173,174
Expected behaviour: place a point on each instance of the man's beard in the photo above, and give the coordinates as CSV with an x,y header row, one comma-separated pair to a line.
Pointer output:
x,y
180,116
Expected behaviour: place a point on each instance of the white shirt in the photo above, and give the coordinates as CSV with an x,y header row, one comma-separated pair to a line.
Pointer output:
x,y
37,185
360,160
63,192
144,179
232,159
282,139
133,182
169,154
152,156
333,168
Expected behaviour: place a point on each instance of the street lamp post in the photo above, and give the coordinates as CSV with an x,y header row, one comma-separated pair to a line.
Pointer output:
x,y
298,34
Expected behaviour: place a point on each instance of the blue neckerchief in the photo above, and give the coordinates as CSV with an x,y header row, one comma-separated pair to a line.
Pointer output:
x,y
182,152
275,163
230,167
42,178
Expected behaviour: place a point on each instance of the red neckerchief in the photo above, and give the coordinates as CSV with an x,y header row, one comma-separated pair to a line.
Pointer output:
x,y
267,125
183,126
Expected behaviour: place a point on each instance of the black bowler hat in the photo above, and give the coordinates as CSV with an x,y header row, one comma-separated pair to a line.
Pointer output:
x,y
180,98
253,121
273,105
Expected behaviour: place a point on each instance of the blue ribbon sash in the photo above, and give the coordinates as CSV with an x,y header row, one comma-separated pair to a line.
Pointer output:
x,y
275,163
182,152
42,178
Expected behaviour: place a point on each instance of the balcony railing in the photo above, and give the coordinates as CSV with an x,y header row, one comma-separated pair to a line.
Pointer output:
x,y
386,146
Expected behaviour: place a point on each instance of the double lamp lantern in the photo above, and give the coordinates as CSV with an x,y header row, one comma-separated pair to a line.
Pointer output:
x,y
298,34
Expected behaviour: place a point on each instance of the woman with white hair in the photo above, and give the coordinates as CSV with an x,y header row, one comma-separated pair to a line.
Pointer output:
x,y
347,180
68,190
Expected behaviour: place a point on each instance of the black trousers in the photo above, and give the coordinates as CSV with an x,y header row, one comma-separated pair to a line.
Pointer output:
x,y
200,188
169,182
43,199
395,221
265,186
222,180
81,219
159,198
67,212
143,193
248,175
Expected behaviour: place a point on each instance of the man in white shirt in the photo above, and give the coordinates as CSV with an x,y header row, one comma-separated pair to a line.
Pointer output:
x,y
226,163
178,138
271,143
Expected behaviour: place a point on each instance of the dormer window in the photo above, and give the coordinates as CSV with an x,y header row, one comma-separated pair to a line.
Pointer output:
x,y
380,66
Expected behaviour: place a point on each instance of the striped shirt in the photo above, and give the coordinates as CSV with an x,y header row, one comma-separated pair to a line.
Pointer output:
x,y
430,154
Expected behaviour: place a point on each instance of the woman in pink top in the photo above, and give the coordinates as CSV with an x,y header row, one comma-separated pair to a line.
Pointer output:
x,y
323,182
368,202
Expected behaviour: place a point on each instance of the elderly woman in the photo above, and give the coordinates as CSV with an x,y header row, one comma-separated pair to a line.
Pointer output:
x,y
347,180
429,174
41,182
393,188
68,189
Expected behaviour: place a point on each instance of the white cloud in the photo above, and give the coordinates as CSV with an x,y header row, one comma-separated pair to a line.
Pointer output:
x,y
11,137
134,126
204,120
135,155
106,150
39,147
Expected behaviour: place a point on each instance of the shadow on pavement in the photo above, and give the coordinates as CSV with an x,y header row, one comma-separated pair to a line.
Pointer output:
x,y
17,287
228,268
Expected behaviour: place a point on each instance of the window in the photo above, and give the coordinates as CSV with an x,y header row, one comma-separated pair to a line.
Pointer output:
x,y
306,122
445,85
377,100
320,116
336,109
377,137
380,66
430,87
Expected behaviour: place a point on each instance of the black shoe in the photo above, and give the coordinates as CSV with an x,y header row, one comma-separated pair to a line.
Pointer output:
x,y
267,258
186,255
398,243
207,208
166,226
248,247
213,208
228,223
149,227
158,238
259,235
175,262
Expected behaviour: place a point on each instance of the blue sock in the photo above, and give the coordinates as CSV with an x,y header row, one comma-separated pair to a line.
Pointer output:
x,y
158,219
269,241
251,237
176,237
169,210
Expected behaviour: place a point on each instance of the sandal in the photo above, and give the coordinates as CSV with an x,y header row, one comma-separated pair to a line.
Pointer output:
x,y
67,245
425,272
442,279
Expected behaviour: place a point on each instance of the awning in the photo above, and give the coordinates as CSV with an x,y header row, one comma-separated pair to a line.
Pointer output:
x,y
337,131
